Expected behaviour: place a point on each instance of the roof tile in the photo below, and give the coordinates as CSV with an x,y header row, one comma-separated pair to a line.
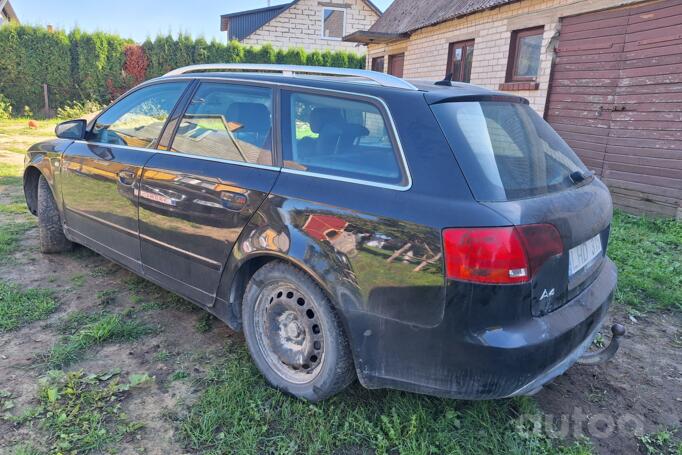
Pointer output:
x,y
409,15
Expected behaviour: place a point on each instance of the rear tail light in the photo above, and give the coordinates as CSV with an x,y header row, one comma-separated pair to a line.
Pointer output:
x,y
501,255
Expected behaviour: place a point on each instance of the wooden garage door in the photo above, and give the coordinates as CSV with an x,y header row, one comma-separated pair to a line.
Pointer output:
x,y
616,98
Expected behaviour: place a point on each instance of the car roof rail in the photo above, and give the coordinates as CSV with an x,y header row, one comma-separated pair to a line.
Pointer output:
x,y
382,79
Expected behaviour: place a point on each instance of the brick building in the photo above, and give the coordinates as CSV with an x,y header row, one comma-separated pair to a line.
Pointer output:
x,y
310,24
607,74
7,13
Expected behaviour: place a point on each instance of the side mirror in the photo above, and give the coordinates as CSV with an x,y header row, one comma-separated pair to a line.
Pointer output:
x,y
72,129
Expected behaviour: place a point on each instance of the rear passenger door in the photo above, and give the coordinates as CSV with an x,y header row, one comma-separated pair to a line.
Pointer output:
x,y
345,189
196,197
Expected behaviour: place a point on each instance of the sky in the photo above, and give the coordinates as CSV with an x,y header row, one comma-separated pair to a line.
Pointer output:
x,y
139,19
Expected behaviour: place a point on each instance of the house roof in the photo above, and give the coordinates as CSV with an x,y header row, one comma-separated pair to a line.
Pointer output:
x,y
241,24
405,16
6,7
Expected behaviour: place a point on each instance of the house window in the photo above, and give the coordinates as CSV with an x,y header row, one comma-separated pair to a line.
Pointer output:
x,y
333,23
460,58
395,64
378,64
524,55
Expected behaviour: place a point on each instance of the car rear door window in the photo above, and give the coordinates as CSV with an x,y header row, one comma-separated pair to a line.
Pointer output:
x,y
228,121
506,150
339,137
137,119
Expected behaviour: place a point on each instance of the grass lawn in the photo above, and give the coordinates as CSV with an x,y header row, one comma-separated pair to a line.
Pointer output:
x,y
19,127
105,328
239,413
17,137
19,307
648,253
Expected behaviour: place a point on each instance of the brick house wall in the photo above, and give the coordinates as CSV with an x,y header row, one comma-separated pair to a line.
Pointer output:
x,y
7,13
301,26
426,50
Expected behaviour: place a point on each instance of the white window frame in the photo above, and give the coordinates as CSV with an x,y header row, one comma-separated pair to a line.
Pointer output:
x,y
343,32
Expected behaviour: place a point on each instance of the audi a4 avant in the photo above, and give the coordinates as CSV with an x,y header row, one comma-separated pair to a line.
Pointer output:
x,y
435,238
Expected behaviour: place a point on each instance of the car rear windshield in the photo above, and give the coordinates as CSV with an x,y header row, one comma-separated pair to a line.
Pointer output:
x,y
506,150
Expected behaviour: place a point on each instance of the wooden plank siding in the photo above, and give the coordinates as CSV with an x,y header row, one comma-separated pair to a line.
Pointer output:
x,y
616,98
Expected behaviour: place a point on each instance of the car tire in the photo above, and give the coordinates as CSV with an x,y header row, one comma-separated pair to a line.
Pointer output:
x,y
294,334
52,238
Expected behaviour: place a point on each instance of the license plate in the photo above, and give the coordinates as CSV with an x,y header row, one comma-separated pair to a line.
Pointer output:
x,y
583,254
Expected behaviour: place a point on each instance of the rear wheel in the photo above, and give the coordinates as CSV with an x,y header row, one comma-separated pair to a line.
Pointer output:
x,y
294,335
52,238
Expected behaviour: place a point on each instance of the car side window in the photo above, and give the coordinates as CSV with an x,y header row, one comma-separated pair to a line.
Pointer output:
x,y
339,137
228,121
137,119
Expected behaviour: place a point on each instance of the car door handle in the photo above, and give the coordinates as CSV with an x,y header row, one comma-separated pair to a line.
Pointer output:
x,y
126,178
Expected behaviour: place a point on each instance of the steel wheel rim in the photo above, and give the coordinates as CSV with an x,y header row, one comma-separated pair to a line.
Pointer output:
x,y
289,333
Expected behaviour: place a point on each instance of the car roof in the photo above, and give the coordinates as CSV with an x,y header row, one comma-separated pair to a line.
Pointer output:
x,y
433,92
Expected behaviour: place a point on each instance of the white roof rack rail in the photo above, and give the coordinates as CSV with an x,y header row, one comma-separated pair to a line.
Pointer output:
x,y
385,80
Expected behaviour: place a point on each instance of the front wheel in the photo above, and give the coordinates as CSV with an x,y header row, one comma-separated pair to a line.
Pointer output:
x,y
294,335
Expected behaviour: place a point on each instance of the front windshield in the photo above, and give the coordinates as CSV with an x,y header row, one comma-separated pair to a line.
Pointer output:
x,y
506,150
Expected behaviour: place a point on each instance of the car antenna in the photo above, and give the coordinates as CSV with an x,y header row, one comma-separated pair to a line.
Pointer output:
x,y
447,81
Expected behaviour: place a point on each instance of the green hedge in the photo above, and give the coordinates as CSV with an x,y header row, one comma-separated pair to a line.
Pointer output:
x,y
80,67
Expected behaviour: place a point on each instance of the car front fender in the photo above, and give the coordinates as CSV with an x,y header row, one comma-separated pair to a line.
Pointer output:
x,y
43,158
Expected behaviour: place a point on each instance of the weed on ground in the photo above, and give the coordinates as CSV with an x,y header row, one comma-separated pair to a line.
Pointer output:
x,y
105,329
82,412
11,234
19,307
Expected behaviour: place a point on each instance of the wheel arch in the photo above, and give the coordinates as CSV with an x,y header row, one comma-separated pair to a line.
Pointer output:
x,y
31,177
243,269
248,266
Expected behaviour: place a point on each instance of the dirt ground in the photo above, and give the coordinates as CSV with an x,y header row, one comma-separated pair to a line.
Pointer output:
x,y
643,381
642,384
188,350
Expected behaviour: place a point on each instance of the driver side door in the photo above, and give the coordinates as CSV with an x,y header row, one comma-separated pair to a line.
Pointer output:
x,y
101,174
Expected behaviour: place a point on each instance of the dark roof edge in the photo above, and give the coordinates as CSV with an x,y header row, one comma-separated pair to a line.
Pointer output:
x,y
283,7
258,10
286,6
367,37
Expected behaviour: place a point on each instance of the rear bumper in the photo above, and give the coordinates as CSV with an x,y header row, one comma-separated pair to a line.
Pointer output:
x,y
454,361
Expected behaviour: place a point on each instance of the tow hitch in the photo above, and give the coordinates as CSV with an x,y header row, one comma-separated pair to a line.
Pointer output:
x,y
605,354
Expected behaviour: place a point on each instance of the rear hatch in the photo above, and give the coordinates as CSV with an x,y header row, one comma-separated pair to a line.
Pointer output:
x,y
516,164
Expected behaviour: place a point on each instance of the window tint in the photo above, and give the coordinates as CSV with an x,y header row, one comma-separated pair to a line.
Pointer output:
x,y
333,23
340,137
137,119
506,150
231,122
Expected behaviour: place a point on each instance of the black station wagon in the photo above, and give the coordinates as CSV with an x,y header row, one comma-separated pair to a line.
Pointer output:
x,y
439,238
